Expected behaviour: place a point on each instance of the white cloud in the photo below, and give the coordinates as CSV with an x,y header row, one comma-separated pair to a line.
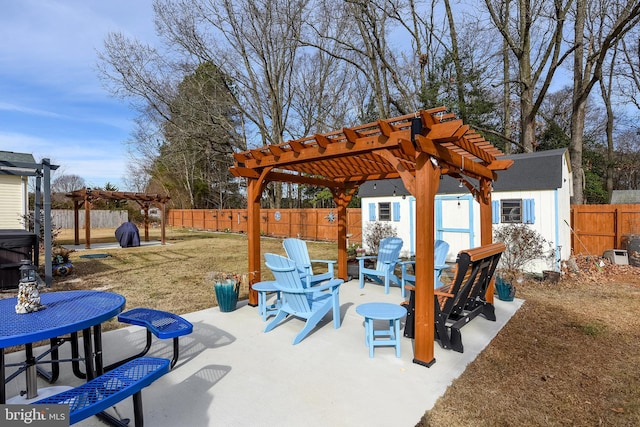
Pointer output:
x,y
5,106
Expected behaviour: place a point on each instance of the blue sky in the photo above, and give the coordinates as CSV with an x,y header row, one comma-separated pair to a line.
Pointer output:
x,y
52,103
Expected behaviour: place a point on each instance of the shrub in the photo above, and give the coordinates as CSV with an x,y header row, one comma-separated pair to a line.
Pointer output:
x,y
523,245
376,231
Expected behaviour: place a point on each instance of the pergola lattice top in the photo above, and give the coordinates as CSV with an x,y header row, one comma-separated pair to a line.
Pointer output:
x,y
378,150
117,195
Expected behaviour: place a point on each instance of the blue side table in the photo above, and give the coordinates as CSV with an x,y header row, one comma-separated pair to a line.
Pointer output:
x,y
382,311
263,288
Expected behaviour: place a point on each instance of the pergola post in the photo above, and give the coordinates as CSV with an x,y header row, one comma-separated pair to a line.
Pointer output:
x,y
87,220
76,222
342,197
163,222
427,182
145,208
486,224
254,191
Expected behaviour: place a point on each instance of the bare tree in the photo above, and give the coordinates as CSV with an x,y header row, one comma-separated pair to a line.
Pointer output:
x,y
67,184
599,26
628,70
534,34
626,172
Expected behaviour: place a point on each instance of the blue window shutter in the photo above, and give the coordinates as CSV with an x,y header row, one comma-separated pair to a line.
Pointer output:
x,y
372,211
495,212
396,211
529,211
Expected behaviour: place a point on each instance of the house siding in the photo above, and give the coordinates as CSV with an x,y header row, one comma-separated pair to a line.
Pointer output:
x,y
13,202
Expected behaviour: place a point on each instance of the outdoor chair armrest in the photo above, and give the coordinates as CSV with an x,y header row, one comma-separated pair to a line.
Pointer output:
x,y
443,294
333,283
326,261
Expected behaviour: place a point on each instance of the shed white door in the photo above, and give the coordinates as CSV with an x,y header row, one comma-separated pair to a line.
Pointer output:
x,y
455,222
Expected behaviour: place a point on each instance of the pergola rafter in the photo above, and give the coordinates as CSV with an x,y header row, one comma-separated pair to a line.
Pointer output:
x,y
418,148
85,196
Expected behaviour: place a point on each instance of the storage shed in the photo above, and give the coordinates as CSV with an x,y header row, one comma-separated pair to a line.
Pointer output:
x,y
536,191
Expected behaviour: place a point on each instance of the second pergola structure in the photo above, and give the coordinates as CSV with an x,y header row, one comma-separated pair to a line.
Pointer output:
x,y
418,148
85,197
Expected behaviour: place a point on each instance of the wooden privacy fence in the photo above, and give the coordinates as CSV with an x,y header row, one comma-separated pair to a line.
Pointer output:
x,y
306,224
597,228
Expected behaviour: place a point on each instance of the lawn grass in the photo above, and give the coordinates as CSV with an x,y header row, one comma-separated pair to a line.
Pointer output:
x,y
569,356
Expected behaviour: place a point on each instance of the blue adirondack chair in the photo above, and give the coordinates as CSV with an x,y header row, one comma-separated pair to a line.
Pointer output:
x,y
386,261
299,301
440,251
296,250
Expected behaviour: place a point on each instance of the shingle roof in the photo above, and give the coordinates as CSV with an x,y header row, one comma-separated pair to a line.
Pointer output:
x,y
541,170
10,156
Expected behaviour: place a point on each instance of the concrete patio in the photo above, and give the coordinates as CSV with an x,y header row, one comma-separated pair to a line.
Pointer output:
x,y
231,373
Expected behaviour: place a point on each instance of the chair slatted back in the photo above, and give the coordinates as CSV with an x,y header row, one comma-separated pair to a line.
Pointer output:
x,y
440,251
388,253
296,250
288,281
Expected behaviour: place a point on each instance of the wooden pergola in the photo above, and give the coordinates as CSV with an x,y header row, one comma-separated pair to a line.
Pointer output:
x,y
85,196
418,148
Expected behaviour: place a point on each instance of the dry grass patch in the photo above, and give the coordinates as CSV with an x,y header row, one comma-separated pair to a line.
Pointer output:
x,y
172,277
569,356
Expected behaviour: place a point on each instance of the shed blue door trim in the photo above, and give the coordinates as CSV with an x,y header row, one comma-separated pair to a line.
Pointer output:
x,y
372,211
440,229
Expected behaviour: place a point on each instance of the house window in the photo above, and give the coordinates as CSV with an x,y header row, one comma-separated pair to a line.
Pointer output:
x,y
384,211
511,211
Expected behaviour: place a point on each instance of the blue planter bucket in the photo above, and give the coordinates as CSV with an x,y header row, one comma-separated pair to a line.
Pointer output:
x,y
227,295
506,292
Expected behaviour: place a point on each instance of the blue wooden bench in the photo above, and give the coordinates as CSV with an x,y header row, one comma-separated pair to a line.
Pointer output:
x,y
103,392
162,324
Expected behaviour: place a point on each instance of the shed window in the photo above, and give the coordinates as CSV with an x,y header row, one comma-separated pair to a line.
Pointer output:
x,y
511,211
384,211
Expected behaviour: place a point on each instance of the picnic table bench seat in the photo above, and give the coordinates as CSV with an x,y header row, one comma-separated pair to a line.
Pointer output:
x,y
106,390
162,324
459,302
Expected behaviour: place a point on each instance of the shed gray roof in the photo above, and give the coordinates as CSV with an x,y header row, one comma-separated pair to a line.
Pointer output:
x,y
541,170
619,197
